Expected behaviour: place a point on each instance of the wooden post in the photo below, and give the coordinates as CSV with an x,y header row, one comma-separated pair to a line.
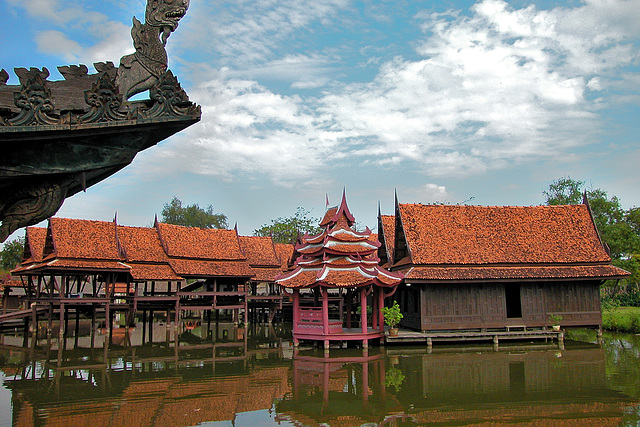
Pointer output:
x,y
363,310
325,311
380,307
296,314
374,311
349,308
34,318
61,326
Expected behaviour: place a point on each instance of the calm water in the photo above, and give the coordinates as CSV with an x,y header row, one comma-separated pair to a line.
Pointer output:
x,y
218,375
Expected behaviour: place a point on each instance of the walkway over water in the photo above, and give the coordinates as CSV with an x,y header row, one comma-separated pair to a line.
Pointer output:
x,y
509,334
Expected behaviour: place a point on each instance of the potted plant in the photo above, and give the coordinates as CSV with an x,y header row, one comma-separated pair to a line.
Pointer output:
x,y
555,320
392,317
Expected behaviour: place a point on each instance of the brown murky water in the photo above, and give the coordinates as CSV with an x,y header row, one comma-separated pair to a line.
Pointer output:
x,y
219,375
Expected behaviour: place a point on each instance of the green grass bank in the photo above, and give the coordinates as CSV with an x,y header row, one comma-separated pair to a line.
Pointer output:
x,y
621,319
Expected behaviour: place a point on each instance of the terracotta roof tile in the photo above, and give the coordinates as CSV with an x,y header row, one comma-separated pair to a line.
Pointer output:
x,y
85,239
35,238
265,274
260,251
141,244
285,253
389,230
445,234
200,243
347,258
516,272
143,272
206,268
84,264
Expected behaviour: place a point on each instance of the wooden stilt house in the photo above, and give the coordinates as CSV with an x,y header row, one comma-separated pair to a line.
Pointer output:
x,y
480,267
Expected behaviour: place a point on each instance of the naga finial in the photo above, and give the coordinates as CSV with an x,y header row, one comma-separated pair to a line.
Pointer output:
x,y
142,69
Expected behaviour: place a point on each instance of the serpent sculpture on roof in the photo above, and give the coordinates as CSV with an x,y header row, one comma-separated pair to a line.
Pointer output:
x,y
142,69
61,137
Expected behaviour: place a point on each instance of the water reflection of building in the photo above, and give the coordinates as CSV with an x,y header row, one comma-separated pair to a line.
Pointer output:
x,y
157,384
551,387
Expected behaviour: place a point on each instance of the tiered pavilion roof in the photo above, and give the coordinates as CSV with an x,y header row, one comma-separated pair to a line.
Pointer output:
x,y
344,262
339,256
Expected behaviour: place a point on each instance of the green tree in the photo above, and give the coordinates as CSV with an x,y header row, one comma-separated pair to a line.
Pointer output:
x,y
564,191
192,215
11,254
619,228
286,229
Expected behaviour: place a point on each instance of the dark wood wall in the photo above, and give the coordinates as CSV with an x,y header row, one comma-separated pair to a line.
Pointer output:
x,y
472,306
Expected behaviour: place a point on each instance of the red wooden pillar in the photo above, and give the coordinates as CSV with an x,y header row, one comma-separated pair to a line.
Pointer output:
x,y
365,382
325,311
363,310
380,306
349,308
296,310
374,305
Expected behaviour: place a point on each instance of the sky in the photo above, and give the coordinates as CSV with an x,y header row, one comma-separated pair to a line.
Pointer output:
x,y
456,102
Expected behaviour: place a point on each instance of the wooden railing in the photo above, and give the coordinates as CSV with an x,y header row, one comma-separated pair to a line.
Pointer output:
x,y
310,321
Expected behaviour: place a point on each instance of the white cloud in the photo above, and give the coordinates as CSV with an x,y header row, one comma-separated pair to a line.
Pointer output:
x,y
245,33
57,43
83,36
248,128
503,85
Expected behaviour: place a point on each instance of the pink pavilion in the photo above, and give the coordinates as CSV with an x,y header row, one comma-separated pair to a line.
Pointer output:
x,y
337,271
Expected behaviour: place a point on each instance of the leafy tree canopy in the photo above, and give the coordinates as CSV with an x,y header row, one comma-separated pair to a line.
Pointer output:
x,y
11,254
618,227
192,215
286,229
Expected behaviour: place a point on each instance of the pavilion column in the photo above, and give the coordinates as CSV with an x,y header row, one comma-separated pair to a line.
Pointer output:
x,y
349,308
363,310
380,306
374,306
325,310
296,314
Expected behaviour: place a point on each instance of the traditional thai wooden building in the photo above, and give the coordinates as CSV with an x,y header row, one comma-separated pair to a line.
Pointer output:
x,y
482,267
90,265
335,268
265,265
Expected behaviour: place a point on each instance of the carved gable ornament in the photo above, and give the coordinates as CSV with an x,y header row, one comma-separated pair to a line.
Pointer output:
x,y
61,137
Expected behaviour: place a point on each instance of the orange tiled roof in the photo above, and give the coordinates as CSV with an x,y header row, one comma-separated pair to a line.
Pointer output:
x,y
34,244
141,244
200,243
389,232
207,268
260,251
262,274
84,264
445,234
142,272
285,253
339,257
84,239
522,272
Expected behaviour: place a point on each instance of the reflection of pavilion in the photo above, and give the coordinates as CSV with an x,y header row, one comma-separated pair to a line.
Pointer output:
x,y
335,268
346,390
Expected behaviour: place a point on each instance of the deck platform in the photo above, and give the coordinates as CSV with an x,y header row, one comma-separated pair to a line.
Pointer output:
x,y
413,337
